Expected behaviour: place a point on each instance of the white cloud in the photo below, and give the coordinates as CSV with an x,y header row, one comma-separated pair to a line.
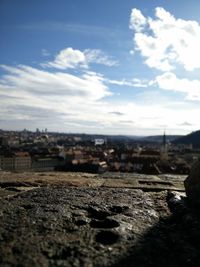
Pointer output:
x,y
68,58
99,57
35,81
132,83
31,98
58,100
71,58
137,20
169,81
165,41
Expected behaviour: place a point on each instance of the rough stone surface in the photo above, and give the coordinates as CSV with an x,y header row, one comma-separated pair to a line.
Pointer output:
x,y
93,225
73,226
192,184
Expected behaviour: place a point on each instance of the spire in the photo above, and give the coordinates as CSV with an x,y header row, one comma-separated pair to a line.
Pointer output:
x,y
163,150
164,139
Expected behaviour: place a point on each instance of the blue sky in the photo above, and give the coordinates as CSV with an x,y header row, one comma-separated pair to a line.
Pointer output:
x,y
110,67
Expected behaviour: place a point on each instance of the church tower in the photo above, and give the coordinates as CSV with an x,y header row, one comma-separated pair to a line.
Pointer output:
x,y
164,149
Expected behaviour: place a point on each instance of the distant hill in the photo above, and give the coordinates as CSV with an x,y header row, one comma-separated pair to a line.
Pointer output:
x,y
145,139
192,138
159,138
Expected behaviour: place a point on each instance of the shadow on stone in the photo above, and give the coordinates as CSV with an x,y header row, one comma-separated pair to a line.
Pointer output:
x,y
107,237
173,241
107,223
97,213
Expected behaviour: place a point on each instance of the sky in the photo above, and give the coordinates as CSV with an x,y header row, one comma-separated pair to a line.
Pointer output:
x,y
105,67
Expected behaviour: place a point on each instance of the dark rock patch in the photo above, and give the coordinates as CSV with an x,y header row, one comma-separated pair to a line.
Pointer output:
x,y
107,223
80,222
118,209
98,214
107,238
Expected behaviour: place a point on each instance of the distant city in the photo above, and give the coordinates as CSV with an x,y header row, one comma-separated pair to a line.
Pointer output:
x,y
49,151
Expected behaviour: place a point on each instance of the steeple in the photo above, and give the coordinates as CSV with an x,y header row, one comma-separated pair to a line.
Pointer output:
x,y
164,140
163,149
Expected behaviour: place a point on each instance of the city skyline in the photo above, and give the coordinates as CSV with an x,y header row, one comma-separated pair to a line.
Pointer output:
x,y
96,67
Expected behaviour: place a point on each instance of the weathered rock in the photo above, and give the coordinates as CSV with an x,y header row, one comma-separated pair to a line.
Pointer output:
x,y
192,184
99,224
75,226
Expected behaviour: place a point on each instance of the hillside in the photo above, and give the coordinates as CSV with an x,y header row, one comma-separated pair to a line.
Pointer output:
x,y
159,138
192,138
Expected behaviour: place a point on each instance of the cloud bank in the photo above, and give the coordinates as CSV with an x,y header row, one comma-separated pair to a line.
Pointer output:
x,y
169,44
73,58
66,93
165,41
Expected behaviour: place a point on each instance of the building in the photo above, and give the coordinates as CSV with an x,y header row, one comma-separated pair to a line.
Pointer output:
x,y
7,163
19,161
22,161
46,163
